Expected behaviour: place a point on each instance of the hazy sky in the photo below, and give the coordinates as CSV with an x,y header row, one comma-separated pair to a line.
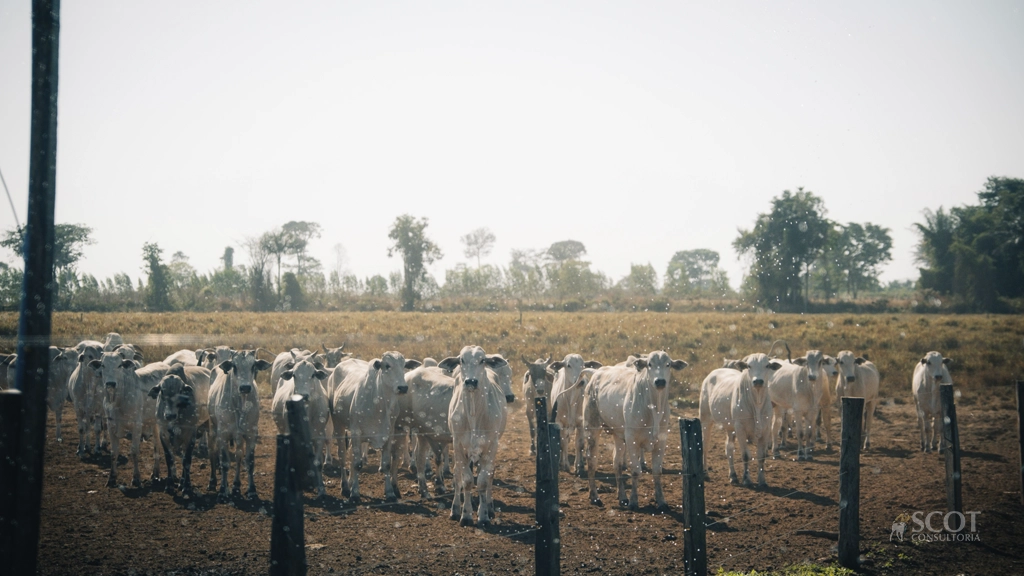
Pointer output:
x,y
637,128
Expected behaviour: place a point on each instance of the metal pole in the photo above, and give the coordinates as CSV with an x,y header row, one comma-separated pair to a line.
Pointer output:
x,y
21,546
849,483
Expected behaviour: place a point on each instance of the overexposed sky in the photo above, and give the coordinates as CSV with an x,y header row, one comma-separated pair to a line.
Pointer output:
x,y
637,128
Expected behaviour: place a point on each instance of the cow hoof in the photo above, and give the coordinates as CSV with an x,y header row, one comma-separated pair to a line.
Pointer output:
x,y
483,523
136,483
60,440
111,482
762,484
632,507
391,498
733,479
776,455
252,495
453,516
212,486
169,488
533,451
354,499
747,482
223,498
186,489
663,507
596,502
465,521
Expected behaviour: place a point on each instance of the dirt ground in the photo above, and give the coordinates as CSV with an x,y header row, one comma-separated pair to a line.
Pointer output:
x,y
90,529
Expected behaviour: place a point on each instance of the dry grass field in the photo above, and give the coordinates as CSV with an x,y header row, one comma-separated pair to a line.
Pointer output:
x,y
88,528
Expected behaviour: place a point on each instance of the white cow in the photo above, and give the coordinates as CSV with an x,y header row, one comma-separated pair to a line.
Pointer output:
x,y
566,405
85,389
62,363
184,357
631,402
424,411
476,418
365,403
931,372
795,390
234,419
858,378
829,371
738,399
130,411
181,409
303,378
536,383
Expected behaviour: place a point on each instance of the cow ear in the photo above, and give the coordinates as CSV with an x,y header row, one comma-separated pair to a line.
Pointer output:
x,y
947,361
375,363
154,392
774,365
412,364
95,364
287,375
830,361
860,360
640,364
81,358
556,366
495,361
678,364
449,363
320,375
263,365
189,390
226,366
924,360
801,361
592,364
741,365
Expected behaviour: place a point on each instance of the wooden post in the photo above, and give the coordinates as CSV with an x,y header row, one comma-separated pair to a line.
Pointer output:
x,y
10,425
1020,433
695,549
303,459
548,549
951,436
849,483
287,537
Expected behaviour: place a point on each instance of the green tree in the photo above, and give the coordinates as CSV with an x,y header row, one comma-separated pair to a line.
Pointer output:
x,y
642,280
478,243
294,298
566,250
377,285
782,245
863,249
228,258
68,243
935,250
157,288
258,280
695,272
296,237
409,239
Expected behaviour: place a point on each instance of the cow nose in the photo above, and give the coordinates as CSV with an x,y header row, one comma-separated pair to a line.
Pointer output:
x,y
510,398
758,381
305,396
851,378
111,384
472,382
660,383
403,389
245,388
812,377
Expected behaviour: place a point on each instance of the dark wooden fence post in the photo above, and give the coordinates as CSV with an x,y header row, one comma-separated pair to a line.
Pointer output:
x,y
695,548
1020,433
849,483
287,534
951,436
10,424
303,459
548,549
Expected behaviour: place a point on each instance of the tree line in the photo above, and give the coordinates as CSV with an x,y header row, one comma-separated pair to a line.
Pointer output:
x,y
798,259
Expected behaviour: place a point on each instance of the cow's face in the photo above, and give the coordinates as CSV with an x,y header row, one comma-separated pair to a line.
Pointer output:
x,y
933,362
829,367
244,365
573,365
812,361
503,375
332,356
65,358
109,367
760,367
303,374
90,353
538,372
847,364
391,368
659,367
222,353
113,340
175,398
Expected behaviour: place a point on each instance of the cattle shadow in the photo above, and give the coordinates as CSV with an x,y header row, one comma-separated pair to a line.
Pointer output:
x,y
781,492
894,452
986,456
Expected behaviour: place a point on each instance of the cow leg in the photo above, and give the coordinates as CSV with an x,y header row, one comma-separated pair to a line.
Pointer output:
x,y
923,423
157,444
591,440
826,424
83,435
389,466
214,457
806,437
483,488
115,451
225,468
657,460
457,488
419,462
171,475
250,464
778,419
531,418
745,450
58,413
634,452
328,435
869,414
136,445
619,458
97,428
186,466
440,465
357,464
579,450
762,454
564,459
318,458
730,448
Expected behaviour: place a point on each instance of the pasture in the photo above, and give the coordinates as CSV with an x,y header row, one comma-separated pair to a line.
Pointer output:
x,y
88,528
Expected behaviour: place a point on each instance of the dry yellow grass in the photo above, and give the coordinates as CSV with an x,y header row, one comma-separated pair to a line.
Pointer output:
x,y
988,350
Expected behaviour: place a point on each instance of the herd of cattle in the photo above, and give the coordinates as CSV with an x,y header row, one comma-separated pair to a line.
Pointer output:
x,y
398,406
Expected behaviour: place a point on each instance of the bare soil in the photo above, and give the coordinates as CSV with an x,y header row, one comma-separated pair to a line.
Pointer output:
x,y
88,528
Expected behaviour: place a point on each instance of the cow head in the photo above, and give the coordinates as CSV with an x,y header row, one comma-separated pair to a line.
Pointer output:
x,y
244,365
472,363
538,372
829,366
573,365
109,365
391,367
502,375
112,341
658,366
175,397
812,361
88,353
848,365
934,362
302,375
333,356
63,357
758,367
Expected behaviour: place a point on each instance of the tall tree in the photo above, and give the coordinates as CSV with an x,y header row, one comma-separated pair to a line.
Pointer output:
x,y
642,280
863,249
408,236
228,258
157,288
782,245
566,250
261,293
297,235
695,272
68,242
478,243
935,250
